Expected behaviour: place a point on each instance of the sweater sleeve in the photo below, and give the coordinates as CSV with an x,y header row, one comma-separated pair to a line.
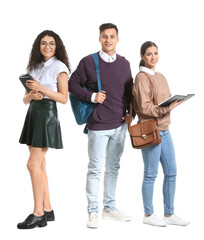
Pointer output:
x,y
128,90
144,98
76,82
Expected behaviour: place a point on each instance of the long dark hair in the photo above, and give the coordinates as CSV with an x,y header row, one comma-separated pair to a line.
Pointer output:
x,y
143,50
36,57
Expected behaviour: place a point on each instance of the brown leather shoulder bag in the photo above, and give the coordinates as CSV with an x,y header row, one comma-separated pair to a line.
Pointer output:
x,y
144,134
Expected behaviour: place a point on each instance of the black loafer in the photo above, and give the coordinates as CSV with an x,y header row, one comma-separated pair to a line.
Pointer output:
x,y
33,221
50,216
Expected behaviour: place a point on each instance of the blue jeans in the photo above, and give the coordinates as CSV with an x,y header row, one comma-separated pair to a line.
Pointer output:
x,y
164,153
107,144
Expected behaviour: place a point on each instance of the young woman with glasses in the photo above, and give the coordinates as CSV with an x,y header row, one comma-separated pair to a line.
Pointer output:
x,y
49,66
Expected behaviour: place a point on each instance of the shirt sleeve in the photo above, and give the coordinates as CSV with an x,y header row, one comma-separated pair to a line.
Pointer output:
x,y
144,98
62,68
93,97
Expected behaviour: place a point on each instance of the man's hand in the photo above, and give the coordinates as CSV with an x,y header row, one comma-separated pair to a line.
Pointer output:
x,y
100,97
126,119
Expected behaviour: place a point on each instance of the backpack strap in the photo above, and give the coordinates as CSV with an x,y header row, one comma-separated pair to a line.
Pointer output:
x,y
96,63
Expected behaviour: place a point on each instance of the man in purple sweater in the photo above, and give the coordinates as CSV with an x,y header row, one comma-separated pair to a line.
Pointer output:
x,y
106,126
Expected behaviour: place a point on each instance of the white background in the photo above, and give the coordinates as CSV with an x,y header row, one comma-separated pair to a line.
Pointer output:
x,y
176,27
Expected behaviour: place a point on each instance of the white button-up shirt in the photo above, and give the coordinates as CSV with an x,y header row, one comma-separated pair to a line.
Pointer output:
x,y
47,72
106,57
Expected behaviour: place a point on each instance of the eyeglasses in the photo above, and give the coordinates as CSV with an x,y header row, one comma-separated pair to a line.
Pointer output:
x,y
45,44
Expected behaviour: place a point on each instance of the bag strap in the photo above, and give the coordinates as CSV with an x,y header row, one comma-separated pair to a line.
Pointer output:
x,y
154,99
153,88
96,63
130,116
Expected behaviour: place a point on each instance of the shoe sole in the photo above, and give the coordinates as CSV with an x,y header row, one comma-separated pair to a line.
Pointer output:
x,y
50,219
94,227
115,219
182,225
154,225
43,224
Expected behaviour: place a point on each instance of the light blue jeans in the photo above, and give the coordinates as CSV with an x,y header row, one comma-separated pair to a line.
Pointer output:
x,y
109,145
164,153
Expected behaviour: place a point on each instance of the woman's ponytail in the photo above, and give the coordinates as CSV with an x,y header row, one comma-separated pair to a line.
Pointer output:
x,y
142,63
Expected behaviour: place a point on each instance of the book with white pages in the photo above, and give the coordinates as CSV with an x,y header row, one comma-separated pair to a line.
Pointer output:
x,y
174,98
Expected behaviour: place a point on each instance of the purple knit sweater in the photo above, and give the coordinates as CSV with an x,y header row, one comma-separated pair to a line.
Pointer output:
x,y
116,80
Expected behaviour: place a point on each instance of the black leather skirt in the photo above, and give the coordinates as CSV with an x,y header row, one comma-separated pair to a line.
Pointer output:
x,y
41,127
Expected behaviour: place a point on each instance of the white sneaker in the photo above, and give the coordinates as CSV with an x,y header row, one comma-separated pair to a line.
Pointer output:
x,y
93,220
116,215
154,221
175,220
